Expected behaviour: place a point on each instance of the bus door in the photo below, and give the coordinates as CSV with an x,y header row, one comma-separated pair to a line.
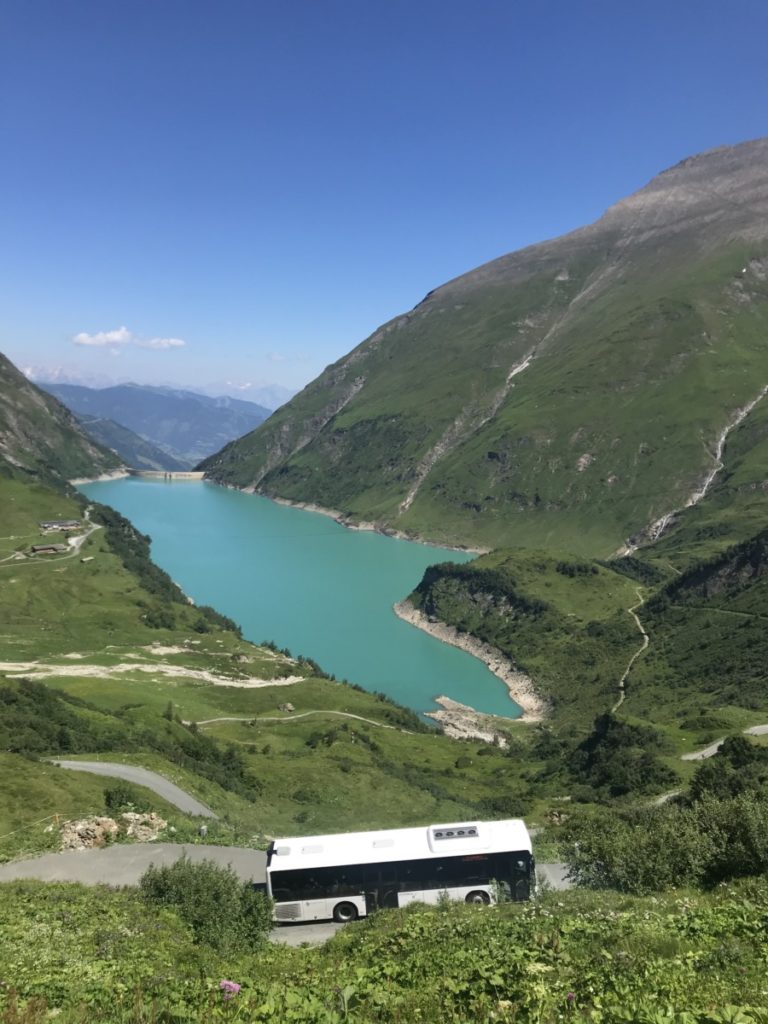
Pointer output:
x,y
389,885
381,886
523,875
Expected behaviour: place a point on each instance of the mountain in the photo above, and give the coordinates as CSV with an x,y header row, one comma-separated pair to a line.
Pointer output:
x,y
132,449
269,396
185,425
40,438
573,394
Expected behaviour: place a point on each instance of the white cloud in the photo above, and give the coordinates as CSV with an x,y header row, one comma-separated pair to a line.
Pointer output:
x,y
122,336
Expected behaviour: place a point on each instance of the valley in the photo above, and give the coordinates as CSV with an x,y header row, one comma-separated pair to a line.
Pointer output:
x,y
579,432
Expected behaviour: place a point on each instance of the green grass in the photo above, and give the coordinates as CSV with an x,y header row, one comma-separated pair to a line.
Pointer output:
x,y
60,605
325,772
41,439
35,797
684,958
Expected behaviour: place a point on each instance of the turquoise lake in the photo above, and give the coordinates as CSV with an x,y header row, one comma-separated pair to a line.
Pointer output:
x,y
303,581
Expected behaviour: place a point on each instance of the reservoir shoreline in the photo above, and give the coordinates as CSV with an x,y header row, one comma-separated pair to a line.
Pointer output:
x,y
343,519
520,686
309,586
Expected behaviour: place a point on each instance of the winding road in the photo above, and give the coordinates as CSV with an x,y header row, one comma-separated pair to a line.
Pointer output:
x,y
712,749
143,777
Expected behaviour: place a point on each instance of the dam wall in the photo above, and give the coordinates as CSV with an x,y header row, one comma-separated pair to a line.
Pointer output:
x,y
159,474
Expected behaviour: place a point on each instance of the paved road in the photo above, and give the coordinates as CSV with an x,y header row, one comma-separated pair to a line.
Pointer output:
x,y
554,875
701,755
712,749
297,934
125,864
143,777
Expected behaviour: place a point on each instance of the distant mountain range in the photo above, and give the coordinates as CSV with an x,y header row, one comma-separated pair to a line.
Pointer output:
x,y
181,425
583,393
270,396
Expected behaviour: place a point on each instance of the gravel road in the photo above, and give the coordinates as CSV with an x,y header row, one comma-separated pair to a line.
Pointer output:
x,y
143,777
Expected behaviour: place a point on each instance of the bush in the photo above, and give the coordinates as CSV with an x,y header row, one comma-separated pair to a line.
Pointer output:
x,y
617,759
121,797
222,911
650,849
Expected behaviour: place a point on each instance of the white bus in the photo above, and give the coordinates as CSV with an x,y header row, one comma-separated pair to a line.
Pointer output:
x,y
346,876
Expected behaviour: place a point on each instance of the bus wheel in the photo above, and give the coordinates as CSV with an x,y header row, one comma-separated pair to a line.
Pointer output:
x,y
344,912
478,896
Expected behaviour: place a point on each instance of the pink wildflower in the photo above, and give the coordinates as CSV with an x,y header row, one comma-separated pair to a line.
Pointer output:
x,y
229,988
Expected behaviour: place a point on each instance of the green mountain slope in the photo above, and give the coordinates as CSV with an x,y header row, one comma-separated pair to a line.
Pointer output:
x,y
40,438
132,449
563,623
567,395
570,626
708,634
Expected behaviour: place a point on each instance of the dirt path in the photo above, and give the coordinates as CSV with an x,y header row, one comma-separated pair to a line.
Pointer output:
x,y
303,714
40,670
646,640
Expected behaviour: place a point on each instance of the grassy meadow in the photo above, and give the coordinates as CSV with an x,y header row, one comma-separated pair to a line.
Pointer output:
x,y
83,954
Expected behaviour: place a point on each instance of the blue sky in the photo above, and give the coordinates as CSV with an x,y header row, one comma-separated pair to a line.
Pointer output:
x,y
242,191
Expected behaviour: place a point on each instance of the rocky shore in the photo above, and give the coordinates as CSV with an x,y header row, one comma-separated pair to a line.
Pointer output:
x,y
520,686
115,474
461,722
343,519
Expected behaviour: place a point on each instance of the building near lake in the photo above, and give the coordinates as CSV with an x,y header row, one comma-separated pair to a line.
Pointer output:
x,y
62,525
49,549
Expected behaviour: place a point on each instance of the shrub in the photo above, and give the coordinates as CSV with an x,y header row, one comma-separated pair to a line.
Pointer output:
x,y
121,796
650,849
222,911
